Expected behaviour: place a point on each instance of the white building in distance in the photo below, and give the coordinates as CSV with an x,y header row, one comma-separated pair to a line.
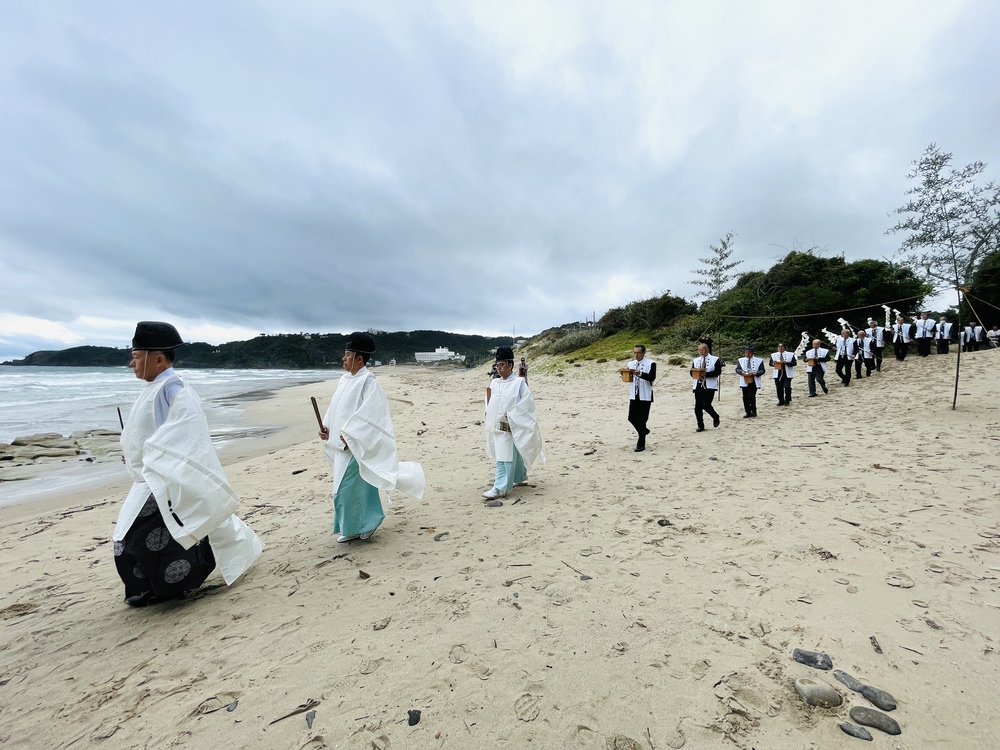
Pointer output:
x,y
441,354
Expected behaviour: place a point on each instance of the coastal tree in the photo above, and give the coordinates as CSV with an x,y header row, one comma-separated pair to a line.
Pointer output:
x,y
716,272
951,223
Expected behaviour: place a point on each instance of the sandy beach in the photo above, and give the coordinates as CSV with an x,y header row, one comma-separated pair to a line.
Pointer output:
x,y
620,600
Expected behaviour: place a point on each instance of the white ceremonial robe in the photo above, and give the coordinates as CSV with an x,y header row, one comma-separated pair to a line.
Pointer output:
x,y
511,400
359,411
178,464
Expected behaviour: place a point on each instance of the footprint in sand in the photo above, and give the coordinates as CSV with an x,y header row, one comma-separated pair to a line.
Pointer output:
x,y
899,579
526,708
591,551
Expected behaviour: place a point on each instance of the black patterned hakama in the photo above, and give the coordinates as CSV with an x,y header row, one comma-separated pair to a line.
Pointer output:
x,y
150,559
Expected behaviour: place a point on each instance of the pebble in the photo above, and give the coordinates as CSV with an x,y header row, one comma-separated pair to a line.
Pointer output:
x,y
413,717
816,692
812,659
847,680
879,697
664,522
852,589
860,732
875,719
494,504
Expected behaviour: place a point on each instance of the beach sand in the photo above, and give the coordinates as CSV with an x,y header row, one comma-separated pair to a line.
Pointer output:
x,y
568,618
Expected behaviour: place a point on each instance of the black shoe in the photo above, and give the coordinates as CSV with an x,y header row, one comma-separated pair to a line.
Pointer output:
x,y
640,448
825,389
753,413
715,422
781,403
747,416
812,395
701,428
148,597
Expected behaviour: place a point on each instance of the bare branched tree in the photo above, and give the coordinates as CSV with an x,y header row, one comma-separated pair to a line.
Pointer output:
x,y
952,223
716,273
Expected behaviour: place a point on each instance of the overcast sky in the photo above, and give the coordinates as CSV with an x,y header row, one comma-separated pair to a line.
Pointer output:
x,y
239,167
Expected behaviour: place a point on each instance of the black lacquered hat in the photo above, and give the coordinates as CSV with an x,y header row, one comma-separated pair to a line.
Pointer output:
x,y
362,343
505,354
152,335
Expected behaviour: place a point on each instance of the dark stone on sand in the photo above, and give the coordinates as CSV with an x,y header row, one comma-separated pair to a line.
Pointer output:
x,y
664,522
812,659
232,706
846,679
860,732
879,697
869,717
413,717
310,717
494,504
817,692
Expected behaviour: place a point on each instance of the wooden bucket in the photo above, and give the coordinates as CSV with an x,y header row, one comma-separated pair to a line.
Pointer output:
x,y
626,375
697,374
748,377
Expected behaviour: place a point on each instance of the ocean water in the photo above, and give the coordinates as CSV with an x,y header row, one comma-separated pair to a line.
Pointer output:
x,y
70,399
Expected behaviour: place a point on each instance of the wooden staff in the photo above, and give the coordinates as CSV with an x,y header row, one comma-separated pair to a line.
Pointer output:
x,y
319,419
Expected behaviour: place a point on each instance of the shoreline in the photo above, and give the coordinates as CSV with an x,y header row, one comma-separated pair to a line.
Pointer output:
x,y
683,576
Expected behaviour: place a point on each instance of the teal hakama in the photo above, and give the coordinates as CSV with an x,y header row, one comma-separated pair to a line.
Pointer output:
x,y
362,450
357,507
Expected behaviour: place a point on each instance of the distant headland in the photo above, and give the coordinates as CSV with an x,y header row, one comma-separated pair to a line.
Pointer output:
x,y
285,351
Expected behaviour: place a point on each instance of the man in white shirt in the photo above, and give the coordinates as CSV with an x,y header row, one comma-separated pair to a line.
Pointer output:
x,y
925,334
749,368
847,350
865,355
902,332
643,372
784,370
816,359
705,371
942,335
876,334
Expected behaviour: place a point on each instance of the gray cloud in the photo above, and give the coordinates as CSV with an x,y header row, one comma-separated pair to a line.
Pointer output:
x,y
470,167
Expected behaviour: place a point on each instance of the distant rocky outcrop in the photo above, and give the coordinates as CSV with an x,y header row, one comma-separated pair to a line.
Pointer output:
x,y
85,444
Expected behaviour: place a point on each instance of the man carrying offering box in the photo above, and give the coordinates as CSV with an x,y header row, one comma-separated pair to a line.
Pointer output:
x,y
705,372
816,359
641,374
783,364
749,368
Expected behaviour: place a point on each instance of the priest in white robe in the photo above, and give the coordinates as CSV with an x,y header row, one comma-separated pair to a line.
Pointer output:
x,y
360,444
513,438
177,521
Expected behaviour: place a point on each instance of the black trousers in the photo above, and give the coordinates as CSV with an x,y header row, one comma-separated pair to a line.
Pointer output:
x,y
750,398
703,398
783,385
924,346
942,346
844,370
638,415
869,364
900,349
877,352
816,375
